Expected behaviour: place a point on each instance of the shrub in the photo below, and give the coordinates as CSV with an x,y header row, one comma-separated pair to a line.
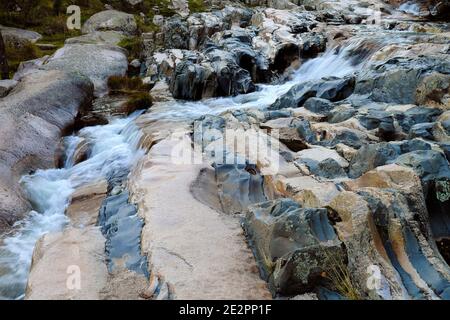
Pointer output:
x,y
16,53
126,85
197,6
133,45
138,101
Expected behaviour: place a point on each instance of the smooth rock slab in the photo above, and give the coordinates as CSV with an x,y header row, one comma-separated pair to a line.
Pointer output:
x,y
201,253
68,253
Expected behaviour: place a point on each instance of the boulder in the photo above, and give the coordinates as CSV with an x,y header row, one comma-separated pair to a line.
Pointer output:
x,y
111,20
176,33
98,62
6,86
34,114
308,191
332,89
18,37
110,37
356,229
296,247
404,80
318,105
189,81
371,156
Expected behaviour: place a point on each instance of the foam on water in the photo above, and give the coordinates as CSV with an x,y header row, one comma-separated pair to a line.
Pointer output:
x,y
113,151
410,7
335,62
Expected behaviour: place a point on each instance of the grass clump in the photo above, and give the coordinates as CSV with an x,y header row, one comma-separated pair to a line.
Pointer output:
x,y
17,53
338,274
126,85
197,6
138,101
134,46
132,87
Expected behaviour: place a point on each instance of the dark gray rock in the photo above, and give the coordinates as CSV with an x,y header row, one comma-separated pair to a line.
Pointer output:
x,y
332,89
371,156
190,81
330,169
300,243
176,33
318,105
422,130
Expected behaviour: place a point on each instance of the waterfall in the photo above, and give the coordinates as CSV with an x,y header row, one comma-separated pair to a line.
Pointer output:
x,y
113,150
336,62
410,7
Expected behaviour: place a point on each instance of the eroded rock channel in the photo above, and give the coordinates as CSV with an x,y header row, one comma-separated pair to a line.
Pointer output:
x,y
293,150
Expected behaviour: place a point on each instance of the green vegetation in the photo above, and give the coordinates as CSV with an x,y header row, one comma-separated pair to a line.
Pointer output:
x,y
138,101
15,54
134,88
126,85
133,45
197,6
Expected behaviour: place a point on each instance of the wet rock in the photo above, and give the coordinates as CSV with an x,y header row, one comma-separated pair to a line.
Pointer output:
x,y
238,187
231,78
219,75
110,20
189,79
122,229
332,89
441,129
382,121
397,79
293,245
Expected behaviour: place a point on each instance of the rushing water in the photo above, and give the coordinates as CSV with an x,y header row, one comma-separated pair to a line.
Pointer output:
x,y
113,150
335,62
410,7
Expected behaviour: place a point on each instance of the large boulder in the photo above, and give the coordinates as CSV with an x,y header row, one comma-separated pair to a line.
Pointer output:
x,y
296,247
15,37
98,62
332,89
34,114
110,20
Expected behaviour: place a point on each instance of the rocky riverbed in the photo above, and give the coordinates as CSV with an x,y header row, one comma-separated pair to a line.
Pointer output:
x,y
292,150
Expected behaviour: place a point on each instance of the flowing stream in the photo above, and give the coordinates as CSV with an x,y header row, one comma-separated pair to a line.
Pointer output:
x,y
113,151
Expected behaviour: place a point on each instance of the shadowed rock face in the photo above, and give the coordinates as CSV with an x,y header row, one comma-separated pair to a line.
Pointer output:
x,y
34,114
299,244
